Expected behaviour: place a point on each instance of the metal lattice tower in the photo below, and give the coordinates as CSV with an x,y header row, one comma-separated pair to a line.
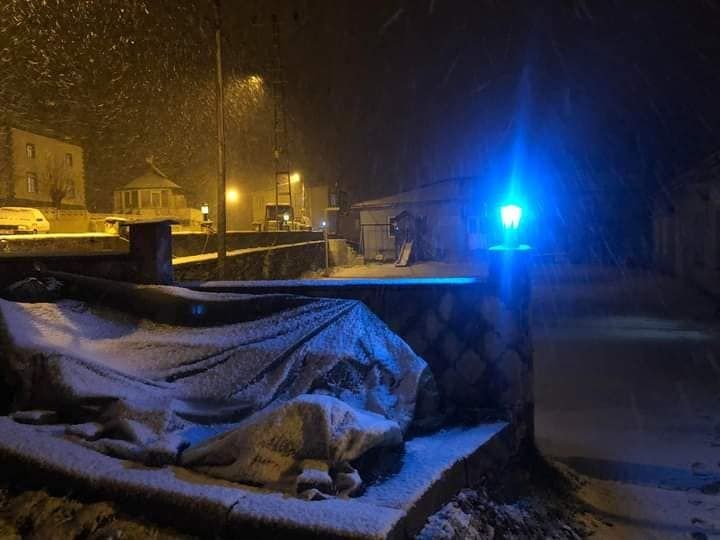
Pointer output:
x,y
280,128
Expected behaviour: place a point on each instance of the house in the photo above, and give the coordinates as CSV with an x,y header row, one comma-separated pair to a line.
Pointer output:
x,y
154,195
449,219
41,171
686,225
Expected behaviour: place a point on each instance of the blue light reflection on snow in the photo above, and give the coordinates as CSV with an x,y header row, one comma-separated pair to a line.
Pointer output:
x,y
626,328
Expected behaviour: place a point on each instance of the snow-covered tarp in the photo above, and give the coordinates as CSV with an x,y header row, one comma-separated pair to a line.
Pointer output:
x,y
286,400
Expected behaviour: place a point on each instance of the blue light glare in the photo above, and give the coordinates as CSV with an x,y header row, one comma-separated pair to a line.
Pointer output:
x,y
510,215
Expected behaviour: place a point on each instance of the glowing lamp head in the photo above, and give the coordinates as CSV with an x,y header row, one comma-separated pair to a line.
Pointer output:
x,y
286,217
323,224
510,215
232,196
205,209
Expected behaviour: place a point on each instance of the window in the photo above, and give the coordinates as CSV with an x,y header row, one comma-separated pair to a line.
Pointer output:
x,y
155,199
30,150
126,199
165,196
134,199
68,161
32,183
118,201
145,199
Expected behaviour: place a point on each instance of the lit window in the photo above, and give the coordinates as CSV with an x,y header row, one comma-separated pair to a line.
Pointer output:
x,y
68,161
32,183
30,150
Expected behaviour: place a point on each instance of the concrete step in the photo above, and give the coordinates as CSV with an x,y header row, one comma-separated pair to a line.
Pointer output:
x,y
435,467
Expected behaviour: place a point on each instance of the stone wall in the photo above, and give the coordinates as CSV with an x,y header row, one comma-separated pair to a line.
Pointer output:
x,y
196,243
474,337
41,244
276,262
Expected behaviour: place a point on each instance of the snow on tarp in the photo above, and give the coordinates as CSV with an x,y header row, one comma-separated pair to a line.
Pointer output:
x,y
322,380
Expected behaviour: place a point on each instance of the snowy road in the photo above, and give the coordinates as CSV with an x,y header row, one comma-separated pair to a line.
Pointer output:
x,y
627,371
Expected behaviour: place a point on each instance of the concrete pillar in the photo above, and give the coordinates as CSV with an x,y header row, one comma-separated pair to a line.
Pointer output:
x,y
509,283
151,251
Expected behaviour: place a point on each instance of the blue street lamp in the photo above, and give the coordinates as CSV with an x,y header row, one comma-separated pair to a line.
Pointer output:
x,y
510,215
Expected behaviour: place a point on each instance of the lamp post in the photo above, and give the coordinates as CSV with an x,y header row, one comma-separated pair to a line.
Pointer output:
x,y
295,178
509,281
510,217
509,261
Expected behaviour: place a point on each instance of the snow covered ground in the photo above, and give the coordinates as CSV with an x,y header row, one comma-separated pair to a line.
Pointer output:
x,y
627,370
421,269
38,237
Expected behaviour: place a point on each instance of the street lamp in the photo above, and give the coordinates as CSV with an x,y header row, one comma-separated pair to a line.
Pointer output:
x,y
232,196
510,218
510,215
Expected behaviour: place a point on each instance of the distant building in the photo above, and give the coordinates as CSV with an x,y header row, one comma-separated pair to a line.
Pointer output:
x,y
154,195
686,224
448,219
38,170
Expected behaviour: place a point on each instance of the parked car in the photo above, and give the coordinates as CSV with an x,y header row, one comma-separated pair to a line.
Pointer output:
x,y
18,220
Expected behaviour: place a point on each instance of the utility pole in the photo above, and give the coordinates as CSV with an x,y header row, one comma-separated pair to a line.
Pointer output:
x,y
280,128
221,209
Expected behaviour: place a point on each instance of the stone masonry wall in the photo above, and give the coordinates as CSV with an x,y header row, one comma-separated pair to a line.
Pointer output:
x,y
40,244
278,262
196,243
477,344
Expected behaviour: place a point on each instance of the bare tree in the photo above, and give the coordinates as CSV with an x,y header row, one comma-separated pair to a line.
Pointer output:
x,y
58,177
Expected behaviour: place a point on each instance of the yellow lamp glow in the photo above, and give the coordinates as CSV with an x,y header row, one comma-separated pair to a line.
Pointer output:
x,y
232,196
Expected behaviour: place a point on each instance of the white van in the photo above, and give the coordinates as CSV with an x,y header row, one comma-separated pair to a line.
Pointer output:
x,y
16,220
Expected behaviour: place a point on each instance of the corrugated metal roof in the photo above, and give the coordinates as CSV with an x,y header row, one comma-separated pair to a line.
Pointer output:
x,y
442,191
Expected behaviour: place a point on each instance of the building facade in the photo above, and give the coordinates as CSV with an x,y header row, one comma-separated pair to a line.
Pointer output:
x,y
154,195
35,169
686,226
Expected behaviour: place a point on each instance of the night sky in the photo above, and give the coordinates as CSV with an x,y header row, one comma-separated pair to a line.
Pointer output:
x,y
593,97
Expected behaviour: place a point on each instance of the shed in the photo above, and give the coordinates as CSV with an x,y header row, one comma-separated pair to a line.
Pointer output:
x,y
451,216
